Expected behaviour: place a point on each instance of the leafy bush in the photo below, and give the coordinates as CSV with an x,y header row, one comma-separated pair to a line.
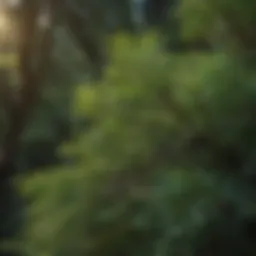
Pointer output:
x,y
154,173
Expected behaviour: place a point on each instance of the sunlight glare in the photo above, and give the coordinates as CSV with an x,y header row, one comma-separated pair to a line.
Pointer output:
x,y
3,22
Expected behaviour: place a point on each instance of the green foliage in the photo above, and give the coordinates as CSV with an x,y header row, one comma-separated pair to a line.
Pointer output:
x,y
157,158
79,218
138,185
219,20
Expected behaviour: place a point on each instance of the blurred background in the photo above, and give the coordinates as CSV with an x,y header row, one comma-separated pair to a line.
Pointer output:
x,y
155,158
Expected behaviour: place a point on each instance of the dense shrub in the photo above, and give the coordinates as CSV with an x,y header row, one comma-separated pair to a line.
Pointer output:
x,y
163,167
